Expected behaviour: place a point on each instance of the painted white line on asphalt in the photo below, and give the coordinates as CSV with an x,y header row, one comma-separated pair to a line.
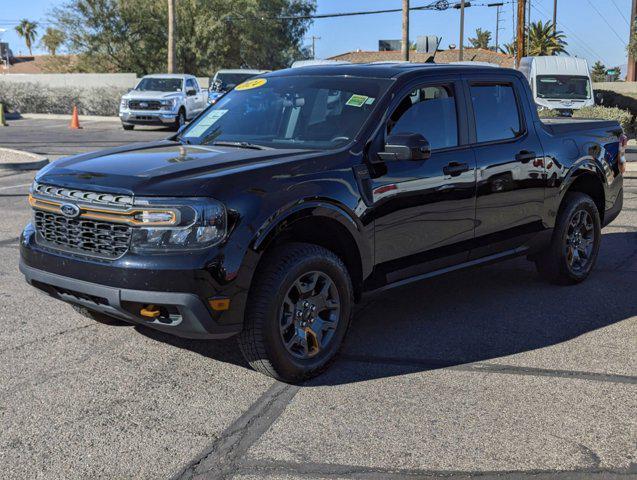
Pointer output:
x,y
16,186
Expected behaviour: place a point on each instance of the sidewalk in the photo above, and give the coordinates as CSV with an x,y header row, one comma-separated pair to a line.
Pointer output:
x,y
18,160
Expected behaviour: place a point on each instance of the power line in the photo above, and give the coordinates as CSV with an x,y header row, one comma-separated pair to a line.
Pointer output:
x,y
623,15
607,23
584,45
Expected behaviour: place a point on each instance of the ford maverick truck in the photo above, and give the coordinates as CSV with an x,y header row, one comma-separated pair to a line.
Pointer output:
x,y
303,190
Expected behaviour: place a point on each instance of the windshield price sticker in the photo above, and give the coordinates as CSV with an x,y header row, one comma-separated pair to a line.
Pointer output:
x,y
205,122
250,84
356,100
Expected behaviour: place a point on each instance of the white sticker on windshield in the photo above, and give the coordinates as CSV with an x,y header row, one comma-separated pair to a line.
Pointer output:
x,y
205,122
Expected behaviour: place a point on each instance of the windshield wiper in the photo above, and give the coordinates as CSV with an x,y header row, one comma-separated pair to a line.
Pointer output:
x,y
252,146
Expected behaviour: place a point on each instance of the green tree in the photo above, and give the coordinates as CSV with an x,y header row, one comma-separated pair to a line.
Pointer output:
x,y
52,39
481,40
544,41
28,30
509,49
131,35
598,73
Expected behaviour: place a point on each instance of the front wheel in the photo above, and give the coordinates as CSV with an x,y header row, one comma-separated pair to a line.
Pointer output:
x,y
575,242
127,126
180,120
298,312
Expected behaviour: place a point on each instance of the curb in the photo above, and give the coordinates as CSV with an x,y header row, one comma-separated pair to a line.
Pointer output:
x,y
58,116
36,163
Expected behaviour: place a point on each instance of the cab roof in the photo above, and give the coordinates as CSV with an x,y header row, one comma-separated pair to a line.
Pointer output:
x,y
387,70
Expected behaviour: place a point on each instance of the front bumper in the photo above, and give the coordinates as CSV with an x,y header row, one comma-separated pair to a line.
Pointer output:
x,y
181,285
147,117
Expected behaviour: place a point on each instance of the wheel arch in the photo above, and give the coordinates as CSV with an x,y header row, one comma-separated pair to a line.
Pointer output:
x,y
324,224
587,179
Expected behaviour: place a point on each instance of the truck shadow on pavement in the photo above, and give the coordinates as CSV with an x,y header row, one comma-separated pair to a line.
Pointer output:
x,y
469,316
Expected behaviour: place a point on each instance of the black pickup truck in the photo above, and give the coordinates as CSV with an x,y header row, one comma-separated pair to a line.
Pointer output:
x,y
303,190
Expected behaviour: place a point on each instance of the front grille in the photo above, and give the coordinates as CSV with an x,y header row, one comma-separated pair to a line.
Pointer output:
x,y
87,237
144,105
62,193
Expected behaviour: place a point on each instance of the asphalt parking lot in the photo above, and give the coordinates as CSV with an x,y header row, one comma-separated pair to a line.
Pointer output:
x,y
489,373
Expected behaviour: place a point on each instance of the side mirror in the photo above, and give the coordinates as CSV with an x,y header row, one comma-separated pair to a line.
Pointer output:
x,y
191,91
406,146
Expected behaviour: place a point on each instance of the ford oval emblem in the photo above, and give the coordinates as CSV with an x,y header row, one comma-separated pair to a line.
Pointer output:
x,y
70,210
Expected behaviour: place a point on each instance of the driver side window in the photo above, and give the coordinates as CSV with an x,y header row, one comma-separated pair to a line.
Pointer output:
x,y
430,111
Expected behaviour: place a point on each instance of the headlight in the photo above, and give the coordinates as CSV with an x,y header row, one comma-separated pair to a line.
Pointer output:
x,y
201,223
168,103
123,103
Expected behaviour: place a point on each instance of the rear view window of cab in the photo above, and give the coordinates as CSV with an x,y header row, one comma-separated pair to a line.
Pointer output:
x,y
496,112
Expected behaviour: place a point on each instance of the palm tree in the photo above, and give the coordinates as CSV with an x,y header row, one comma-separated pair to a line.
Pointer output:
x,y
509,49
543,40
481,39
52,39
27,30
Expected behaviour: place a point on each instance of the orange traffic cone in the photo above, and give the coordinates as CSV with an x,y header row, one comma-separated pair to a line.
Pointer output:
x,y
75,120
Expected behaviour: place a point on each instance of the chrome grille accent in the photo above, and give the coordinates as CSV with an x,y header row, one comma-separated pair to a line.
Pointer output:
x,y
87,237
96,198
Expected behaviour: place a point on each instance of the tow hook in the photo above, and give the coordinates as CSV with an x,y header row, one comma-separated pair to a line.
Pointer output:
x,y
150,311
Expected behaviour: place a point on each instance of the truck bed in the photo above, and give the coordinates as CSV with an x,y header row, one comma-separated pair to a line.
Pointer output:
x,y
565,126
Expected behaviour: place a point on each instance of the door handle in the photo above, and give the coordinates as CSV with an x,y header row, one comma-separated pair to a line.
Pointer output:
x,y
525,156
454,169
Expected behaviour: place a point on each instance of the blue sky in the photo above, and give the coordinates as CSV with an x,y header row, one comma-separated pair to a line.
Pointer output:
x,y
589,35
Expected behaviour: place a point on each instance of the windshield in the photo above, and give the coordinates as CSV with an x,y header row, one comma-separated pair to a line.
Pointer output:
x,y
563,87
305,112
227,81
160,84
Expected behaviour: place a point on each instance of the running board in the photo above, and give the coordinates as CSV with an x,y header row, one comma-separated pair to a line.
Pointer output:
x,y
516,252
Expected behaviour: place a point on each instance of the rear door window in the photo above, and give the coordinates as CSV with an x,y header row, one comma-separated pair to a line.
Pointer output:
x,y
496,112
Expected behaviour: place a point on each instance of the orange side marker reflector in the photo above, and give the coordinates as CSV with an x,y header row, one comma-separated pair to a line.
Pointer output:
x,y
219,304
150,311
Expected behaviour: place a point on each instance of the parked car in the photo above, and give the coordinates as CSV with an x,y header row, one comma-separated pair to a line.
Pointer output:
x,y
559,82
225,80
304,190
162,99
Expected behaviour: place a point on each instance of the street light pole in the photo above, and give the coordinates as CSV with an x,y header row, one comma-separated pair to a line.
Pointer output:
x,y
461,55
405,44
554,16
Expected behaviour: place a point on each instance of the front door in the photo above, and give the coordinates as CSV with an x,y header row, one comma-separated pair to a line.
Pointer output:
x,y
424,210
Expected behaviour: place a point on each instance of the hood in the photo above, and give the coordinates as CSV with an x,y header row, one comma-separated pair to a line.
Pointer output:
x,y
164,168
136,94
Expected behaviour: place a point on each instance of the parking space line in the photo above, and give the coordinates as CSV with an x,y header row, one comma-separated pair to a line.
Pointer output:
x,y
16,186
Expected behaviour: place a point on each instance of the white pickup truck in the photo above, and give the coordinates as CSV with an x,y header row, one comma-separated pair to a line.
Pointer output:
x,y
163,99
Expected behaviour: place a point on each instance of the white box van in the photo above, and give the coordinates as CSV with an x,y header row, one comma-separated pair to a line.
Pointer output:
x,y
559,83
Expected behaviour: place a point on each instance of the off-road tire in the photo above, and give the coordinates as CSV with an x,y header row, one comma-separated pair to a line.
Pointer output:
x,y
260,341
552,263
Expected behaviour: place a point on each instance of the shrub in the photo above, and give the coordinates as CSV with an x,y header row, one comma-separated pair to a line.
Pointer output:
x,y
624,117
37,98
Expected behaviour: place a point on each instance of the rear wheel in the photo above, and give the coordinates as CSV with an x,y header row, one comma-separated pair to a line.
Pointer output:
x,y
298,312
575,242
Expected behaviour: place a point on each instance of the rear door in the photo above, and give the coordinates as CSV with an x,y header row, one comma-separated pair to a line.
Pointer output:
x,y
510,166
424,210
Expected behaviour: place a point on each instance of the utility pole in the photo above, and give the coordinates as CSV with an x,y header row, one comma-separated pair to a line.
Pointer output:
x,y
631,76
497,22
171,36
314,39
554,16
528,26
405,44
520,50
461,55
